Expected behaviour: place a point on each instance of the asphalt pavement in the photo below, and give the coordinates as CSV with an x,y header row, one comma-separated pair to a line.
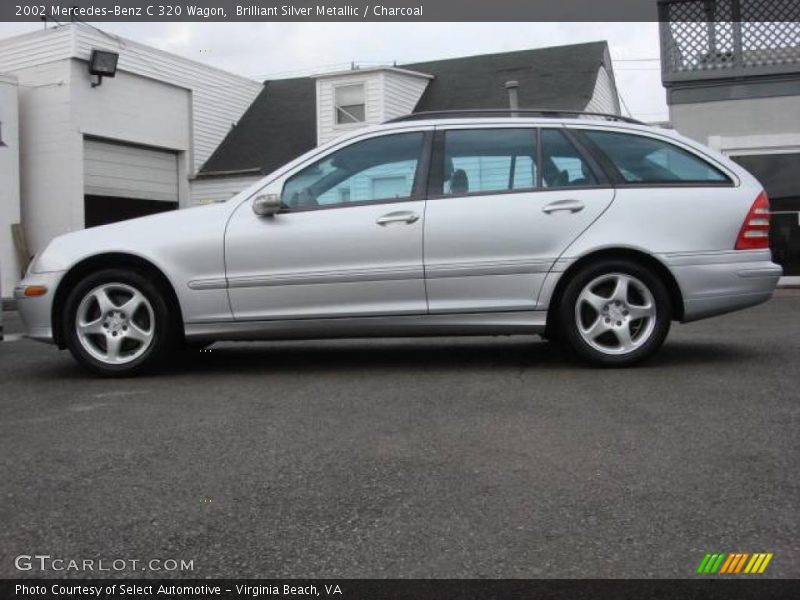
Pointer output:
x,y
470,457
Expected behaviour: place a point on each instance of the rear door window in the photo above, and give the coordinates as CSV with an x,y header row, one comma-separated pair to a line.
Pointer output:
x,y
488,160
641,159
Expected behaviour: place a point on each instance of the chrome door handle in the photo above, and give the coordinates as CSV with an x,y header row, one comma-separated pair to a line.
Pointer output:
x,y
401,216
572,206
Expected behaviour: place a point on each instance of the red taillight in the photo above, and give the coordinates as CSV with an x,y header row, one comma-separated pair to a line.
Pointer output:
x,y
754,234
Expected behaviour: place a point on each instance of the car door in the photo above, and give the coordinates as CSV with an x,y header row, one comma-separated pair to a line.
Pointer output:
x,y
347,241
503,203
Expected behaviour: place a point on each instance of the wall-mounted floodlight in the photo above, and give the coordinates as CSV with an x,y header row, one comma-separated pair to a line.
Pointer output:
x,y
102,64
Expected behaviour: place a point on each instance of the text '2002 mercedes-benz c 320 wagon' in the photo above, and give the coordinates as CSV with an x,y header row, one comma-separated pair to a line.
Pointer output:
x,y
589,229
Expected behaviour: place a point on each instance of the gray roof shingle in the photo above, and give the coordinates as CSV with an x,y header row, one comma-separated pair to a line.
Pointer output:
x,y
281,123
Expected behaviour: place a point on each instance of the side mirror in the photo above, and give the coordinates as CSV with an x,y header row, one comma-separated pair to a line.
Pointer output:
x,y
267,205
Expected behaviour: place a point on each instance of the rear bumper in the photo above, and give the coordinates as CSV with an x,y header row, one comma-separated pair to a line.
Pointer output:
x,y
724,282
36,312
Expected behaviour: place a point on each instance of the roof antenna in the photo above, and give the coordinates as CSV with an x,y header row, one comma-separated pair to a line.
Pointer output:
x,y
513,97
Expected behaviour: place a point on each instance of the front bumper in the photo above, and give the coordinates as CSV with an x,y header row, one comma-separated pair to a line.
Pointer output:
x,y
36,312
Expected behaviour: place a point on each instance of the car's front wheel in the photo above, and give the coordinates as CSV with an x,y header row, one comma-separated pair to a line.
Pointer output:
x,y
117,323
615,313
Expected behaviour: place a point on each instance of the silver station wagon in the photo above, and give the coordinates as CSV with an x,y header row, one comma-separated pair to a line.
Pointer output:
x,y
591,230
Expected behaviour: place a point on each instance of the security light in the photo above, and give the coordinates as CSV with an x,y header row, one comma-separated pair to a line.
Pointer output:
x,y
103,64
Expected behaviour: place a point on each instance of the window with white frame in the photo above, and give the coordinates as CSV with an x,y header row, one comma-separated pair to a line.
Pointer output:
x,y
350,104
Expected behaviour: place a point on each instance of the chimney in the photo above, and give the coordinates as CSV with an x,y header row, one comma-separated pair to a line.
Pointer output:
x,y
513,98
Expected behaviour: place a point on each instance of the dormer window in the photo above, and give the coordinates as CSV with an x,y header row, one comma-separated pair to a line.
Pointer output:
x,y
356,98
350,106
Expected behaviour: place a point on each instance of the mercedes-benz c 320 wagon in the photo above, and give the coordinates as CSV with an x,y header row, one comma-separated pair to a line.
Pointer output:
x,y
589,229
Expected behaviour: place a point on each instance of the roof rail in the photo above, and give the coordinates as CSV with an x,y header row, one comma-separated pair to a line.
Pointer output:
x,y
511,112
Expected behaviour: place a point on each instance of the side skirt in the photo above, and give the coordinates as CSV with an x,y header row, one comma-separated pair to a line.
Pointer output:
x,y
508,323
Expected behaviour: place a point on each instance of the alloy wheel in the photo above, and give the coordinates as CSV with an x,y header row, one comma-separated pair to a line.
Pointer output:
x,y
115,323
615,313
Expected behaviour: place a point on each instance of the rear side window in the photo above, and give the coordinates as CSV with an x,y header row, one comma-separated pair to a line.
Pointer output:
x,y
646,160
488,160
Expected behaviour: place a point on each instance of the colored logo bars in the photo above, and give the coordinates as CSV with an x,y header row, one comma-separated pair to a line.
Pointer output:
x,y
734,563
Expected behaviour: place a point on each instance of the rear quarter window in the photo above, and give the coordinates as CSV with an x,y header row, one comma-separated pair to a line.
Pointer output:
x,y
642,159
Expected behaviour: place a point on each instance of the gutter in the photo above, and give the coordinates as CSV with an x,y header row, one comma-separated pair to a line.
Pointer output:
x,y
233,172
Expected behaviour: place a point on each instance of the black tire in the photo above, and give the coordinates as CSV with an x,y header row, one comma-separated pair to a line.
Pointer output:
x,y
163,336
651,336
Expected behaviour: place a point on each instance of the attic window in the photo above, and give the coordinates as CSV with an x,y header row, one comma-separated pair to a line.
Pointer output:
x,y
350,104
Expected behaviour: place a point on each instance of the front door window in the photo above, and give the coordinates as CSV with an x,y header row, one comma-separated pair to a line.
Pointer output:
x,y
375,170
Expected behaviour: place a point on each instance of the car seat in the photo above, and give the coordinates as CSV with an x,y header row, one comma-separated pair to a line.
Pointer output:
x,y
459,183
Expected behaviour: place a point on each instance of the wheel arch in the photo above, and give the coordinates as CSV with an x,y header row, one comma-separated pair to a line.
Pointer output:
x,y
643,258
118,260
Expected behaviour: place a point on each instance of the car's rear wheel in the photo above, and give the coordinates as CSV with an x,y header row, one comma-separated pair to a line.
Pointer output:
x,y
117,323
615,313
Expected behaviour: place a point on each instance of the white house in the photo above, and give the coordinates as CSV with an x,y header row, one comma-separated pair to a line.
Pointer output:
x,y
9,179
90,154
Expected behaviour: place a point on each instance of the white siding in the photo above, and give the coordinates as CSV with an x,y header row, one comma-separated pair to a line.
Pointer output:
x,y
217,189
37,48
604,97
388,93
327,129
218,98
58,107
132,109
50,144
765,121
129,172
156,100
401,93
9,189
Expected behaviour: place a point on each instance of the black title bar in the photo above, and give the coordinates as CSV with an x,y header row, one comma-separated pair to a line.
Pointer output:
x,y
717,588
330,10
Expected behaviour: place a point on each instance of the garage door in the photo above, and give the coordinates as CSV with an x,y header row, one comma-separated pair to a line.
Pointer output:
x,y
117,170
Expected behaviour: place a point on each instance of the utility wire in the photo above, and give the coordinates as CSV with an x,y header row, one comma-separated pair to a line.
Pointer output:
x,y
624,104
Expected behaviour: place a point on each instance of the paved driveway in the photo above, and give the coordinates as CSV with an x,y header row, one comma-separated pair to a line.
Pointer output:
x,y
414,458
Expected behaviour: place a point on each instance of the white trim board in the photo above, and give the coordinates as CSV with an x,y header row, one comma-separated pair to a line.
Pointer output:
x,y
778,143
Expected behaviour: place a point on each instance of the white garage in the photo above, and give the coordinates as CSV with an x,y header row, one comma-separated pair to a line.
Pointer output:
x,y
95,150
126,171
123,181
